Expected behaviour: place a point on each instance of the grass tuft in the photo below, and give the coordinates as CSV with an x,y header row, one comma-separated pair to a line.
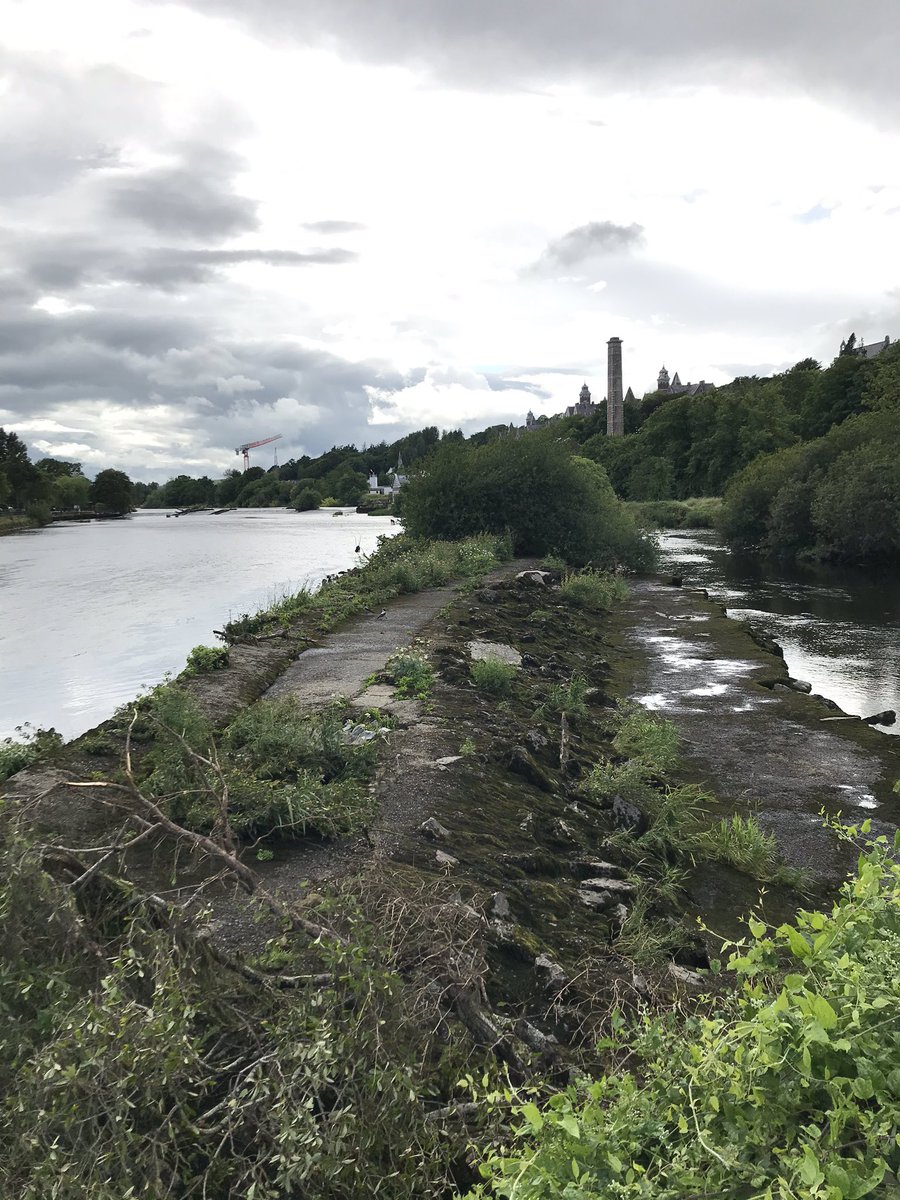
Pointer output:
x,y
493,676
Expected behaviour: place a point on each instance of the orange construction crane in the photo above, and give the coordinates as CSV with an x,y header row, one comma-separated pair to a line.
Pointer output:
x,y
248,446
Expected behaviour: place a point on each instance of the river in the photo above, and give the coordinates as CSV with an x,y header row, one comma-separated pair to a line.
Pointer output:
x,y
92,613
839,627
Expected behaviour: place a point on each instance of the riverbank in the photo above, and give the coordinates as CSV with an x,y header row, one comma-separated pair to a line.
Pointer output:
x,y
524,858
16,524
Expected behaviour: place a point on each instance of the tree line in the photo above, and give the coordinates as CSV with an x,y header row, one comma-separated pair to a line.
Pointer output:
x,y
53,484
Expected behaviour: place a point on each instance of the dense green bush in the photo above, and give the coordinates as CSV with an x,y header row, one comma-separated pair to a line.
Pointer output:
x,y
786,1086
306,500
836,497
204,659
531,486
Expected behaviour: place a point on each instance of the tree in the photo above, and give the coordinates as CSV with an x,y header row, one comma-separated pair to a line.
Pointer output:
x,y
59,468
531,487
70,491
111,492
12,448
306,500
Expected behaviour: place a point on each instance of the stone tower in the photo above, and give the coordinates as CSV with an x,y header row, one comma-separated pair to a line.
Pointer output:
x,y
662,381
615,412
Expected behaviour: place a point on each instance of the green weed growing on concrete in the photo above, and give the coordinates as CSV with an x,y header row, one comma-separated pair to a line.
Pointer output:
x,y
411,674
204,659
593,591
741,842
493,676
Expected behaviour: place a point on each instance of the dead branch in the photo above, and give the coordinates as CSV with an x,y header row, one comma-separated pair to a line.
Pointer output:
x,y
129,798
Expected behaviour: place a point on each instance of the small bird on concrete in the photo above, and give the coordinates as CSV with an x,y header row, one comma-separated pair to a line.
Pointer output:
x,y
383,613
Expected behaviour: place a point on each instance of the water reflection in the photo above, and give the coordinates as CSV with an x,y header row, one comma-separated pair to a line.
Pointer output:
x,y
839,628
90,614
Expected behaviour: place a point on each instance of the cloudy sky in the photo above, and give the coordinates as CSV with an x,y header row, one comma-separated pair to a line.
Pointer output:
x,y
339,220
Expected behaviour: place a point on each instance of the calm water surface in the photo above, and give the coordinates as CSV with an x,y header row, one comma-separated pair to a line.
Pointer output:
x,y
839,627
92,613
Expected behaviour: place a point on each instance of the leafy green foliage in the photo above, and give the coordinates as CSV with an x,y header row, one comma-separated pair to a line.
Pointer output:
x,y
593,590
204,659
306,500
111,492
30,745
134,1062
493,676
549,501
289,771
785,1087
836,497
411,674
566,699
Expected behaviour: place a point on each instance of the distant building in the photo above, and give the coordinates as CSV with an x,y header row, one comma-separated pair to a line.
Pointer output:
x,y
677,388
585,405
391,489
873,349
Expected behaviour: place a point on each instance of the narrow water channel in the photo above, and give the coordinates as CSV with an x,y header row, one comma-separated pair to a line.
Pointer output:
x,y
839,627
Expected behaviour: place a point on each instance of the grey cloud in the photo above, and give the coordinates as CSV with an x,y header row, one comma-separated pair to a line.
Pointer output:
x,y
154,362
806,45
192,198
66,263
587,242
334,226
58,124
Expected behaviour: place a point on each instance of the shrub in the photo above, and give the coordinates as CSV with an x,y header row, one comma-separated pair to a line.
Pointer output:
x,y
593,591
783,1086
306,500
204,659
493,676
411,673
548,501
566,699
16,753
39,511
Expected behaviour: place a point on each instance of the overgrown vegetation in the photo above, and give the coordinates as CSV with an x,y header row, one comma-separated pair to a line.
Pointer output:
x,y
836,497
699,512
138,1060
785,1085
493,676
411,673
288,771
678,826
399,566
21,751
593,590
548,500
203,659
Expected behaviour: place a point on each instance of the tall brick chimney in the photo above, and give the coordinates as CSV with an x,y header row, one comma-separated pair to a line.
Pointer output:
x,y
615,408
